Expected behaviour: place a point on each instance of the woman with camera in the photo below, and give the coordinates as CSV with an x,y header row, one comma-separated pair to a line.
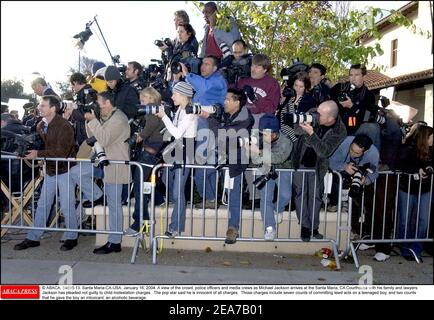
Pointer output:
x,y
183,128
149,141
185,46
415,194
299,102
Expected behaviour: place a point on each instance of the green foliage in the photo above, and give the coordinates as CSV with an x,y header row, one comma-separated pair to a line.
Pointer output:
x,y
309,30
13,89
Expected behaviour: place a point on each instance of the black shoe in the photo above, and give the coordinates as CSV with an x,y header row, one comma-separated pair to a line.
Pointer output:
x,y
305,234
97,202
26,244
108,248
125,203
68,245
317,235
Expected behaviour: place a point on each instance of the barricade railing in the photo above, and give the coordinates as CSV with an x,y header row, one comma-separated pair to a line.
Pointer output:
x,y
26,183
394,210
246,233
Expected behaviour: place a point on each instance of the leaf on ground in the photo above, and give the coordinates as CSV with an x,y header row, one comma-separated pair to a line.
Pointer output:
x,y
227,263
245,262
208,250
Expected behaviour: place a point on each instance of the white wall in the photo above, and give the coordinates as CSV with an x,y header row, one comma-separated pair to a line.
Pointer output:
x,y
414,51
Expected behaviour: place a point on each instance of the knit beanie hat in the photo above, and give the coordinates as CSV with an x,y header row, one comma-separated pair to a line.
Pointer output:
x,y
183,88
112,73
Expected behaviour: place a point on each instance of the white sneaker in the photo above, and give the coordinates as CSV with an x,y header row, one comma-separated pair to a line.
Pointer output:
x,y
130,232
380,256
364,247
278,216
269,234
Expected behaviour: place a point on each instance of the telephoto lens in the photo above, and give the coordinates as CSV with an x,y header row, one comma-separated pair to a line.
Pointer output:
x,y
143,110
197,109
225,50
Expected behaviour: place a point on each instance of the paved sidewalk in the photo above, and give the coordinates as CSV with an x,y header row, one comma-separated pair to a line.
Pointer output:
x,y
41,265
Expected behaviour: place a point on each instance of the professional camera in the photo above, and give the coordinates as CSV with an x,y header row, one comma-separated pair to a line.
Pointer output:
x,y
288,76
238,69
101,157
356,186
344,95
292,118
191,62
20,144
429,171
262,180
160,43
88,102
153,75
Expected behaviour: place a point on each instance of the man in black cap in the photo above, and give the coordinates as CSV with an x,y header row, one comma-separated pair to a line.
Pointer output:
x,y
126,97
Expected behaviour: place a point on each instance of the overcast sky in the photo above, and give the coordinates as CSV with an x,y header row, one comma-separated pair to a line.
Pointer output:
x,y
37,36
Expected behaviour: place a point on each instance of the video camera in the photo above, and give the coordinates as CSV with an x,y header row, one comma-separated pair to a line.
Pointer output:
x,y
355,179
238,69
262,180
20,144
288,76
101,156
292,118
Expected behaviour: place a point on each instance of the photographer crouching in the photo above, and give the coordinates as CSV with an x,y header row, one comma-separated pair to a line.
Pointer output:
x,y
111,132
149,142
318,140
281,148
357,159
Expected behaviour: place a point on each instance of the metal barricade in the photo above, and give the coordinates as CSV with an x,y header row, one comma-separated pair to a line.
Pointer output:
x,y
245,233
23,181
389,212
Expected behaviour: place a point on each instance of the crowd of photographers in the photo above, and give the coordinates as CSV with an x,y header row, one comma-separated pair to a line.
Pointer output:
x,y
218,105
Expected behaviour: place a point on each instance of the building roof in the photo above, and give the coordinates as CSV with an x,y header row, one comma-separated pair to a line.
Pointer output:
x,y
377,80
385,22
372,77
406,78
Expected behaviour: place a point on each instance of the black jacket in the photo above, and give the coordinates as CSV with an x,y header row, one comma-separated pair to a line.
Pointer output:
x,y
363,100
126,98
242,120
320,93
408,162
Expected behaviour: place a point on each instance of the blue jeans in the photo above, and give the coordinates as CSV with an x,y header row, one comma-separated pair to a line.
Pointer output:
x,y
179,177
147,158
405,228
234,203
284,182
116,218
206,188
67,205
86,180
